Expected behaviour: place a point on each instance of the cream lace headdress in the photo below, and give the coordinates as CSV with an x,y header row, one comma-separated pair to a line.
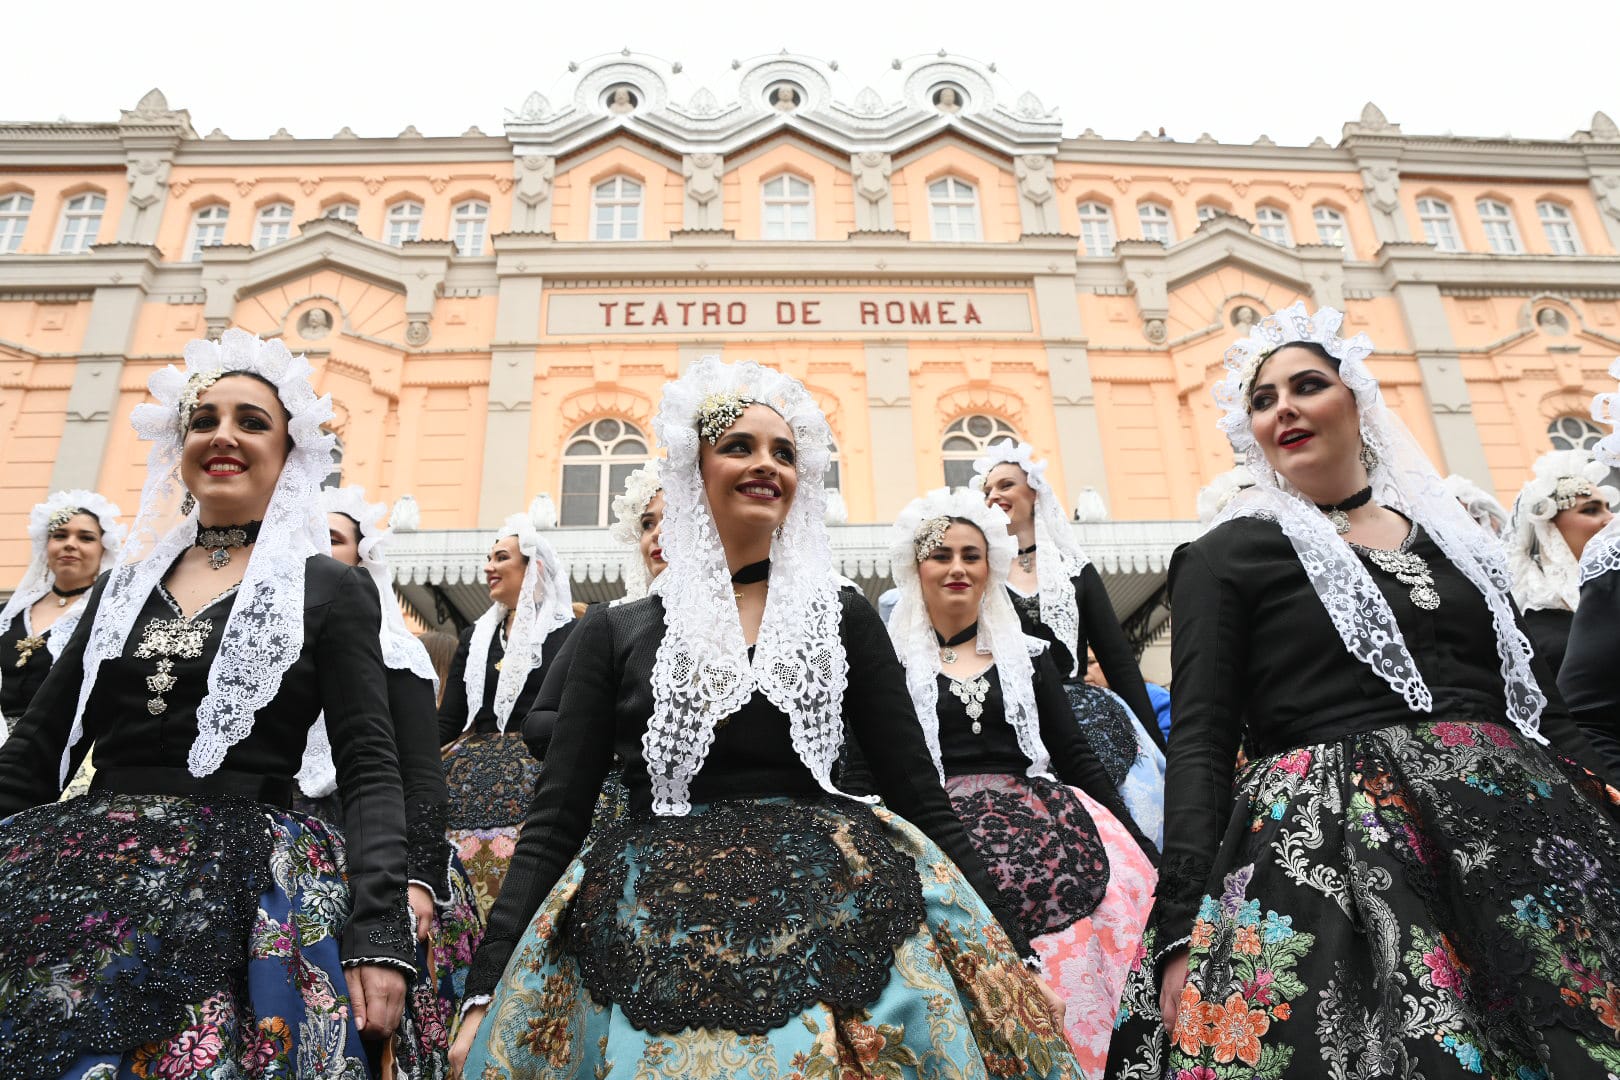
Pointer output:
x,y
545,602
703,672
264,633
917,532
1546,574
1059,557
37,580
639,488
1602,553
1404,480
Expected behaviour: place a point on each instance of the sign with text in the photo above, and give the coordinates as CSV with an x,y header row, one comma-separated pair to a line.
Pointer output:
x,y
706,313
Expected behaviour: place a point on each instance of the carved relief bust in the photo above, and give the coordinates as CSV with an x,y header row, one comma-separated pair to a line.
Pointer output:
x,y
784,97
1244,316
1552,321
947,100
622,100
314,324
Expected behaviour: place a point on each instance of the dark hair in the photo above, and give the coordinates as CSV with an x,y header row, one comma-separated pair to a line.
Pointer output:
x,y
358,531
75,512
286,413
441,649
954,520
1312,347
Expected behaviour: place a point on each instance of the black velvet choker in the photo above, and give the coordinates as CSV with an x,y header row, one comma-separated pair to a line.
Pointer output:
x,y
947,649
754,571
1339,512
64,595
218,540
1024,559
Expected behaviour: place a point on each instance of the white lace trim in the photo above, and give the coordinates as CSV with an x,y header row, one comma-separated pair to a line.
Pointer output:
x,y
1602,552
264,633
1403,480
1000,633
545,602
1060,608
1546,574
38,579
702,672
639,488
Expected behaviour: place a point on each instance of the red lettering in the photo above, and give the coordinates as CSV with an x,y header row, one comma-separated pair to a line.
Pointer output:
x,y
736,313
607,311
711,311
869,313
784,313
686,307
894,311
920,312
972,314
945,316
807,313
630,310
659,317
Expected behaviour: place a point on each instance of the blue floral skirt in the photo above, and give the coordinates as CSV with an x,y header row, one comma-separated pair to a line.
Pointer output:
x,y
1133,761
172,938
1436,899
766,939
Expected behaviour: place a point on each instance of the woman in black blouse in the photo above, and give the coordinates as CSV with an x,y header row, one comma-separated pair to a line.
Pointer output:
x,y
494,678
181,914
75,535
745,918
1039,807
1415,876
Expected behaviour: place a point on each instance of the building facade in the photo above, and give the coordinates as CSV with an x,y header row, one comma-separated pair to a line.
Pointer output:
x,y
925,247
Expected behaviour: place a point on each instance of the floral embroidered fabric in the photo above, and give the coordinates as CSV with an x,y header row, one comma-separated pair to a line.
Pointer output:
x,y
122,911
1039,844
492,777
740,915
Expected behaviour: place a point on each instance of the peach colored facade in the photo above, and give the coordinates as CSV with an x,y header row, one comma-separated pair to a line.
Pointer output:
x,y
475,304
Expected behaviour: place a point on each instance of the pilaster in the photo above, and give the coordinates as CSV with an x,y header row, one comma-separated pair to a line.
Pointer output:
x,y
1450,404
888,413
1074,403
509,420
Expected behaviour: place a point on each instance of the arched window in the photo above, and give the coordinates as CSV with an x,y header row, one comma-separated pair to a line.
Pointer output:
x,y
1208,210
966,439
404,222
14,211
81,221
343,211
1156,223
273,226
596,462
1500,231
469,222
1578,433
616,210
207,230
1439,227
1273,224
954,209
834,480
1330,228
1558,225
1097,229
334,479
788,211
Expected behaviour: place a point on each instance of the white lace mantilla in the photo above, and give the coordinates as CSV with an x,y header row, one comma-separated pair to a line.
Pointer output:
x,y
1000,633
38,579
702,672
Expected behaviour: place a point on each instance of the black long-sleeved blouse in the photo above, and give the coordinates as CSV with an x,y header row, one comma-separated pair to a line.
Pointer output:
x,y
606,703
1590,676
414,711
453,708
995,749
20,682
1548,630
1100,632
1255,653
339,671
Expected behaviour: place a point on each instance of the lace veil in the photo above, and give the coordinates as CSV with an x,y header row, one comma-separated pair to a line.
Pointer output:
x,y
1546,573
38,579
1481,505
545,602
400,649
1054,536
264,633
1214,496
1000,632
639,488
1402,479
703,673
1602,552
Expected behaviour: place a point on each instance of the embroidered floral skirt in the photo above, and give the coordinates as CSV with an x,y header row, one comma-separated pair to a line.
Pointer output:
x,y
1133,761
766,939
155,936
492,777
1425,900
1081,887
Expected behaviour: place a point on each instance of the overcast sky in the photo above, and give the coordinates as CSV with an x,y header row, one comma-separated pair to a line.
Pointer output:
x,y
1235,70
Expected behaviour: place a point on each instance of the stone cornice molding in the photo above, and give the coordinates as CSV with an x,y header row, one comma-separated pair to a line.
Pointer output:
x,y
106,266
1413,263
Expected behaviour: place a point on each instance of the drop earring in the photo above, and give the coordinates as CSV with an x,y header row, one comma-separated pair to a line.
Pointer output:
x,y
188,504
1369,459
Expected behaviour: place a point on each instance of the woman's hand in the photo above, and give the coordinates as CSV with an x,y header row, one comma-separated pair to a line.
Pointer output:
x,y
1054,1004
422,908
1171,984
377,996
464,1038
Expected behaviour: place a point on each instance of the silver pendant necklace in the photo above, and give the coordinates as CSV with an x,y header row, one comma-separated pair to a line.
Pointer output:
x,y
971,692
947,649
1409,568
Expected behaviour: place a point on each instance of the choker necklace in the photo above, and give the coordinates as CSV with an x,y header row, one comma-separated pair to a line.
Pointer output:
x,y
947,649
1024,559
218,540
1338,512
748,575
64,595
